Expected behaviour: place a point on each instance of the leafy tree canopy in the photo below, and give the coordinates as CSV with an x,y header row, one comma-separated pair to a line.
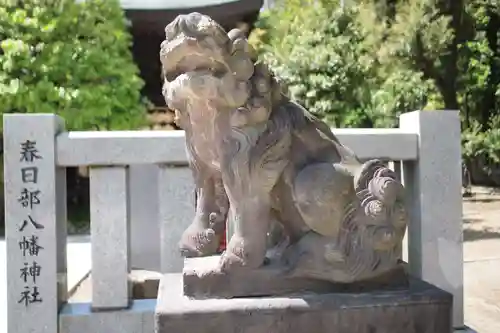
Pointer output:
x,y
324,56
70,58
363,63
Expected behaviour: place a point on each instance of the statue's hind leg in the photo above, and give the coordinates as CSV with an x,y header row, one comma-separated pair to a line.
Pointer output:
x,y
322,192
357,222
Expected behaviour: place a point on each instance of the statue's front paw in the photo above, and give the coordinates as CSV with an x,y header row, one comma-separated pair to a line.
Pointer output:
x,y
230,261
198,242
241,253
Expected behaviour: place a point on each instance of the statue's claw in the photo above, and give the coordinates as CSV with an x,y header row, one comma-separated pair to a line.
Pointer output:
x,y
242,253
197,242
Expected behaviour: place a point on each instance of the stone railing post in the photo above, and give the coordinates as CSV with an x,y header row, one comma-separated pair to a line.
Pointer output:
x,y
35,221
110,237
144,225
176,204
433,185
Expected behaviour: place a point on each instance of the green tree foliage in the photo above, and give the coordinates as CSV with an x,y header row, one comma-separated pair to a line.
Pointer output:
x,y
71,58
365,63
323,55
455,44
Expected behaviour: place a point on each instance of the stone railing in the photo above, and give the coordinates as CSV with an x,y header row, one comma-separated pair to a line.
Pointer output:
x,y
37,150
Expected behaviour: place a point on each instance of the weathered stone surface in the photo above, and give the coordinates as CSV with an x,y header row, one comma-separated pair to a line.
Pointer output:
x,y
175,194
144,284
155,228
110,236
201,281
144,222
35,223
259,159
80,317
433,184
422,308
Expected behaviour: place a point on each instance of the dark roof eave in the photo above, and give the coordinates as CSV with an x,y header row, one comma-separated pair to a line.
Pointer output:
x,y
171,4
222,13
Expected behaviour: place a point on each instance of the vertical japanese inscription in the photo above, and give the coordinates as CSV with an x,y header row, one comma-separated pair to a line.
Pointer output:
x,y
35,215
29,228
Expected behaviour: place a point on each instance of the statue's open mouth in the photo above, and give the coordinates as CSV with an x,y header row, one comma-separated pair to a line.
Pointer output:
x,y
186,54
199,70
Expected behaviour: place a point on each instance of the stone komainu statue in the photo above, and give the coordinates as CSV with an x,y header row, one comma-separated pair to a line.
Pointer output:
x,y
259,160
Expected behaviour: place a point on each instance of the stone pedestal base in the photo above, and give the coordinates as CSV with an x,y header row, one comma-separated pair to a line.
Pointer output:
x,y
422,308
203,281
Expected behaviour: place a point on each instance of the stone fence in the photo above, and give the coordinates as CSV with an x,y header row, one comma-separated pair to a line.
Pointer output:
x,y
142,199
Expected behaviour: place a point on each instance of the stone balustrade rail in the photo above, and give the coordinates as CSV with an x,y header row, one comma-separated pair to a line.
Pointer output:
x,y
37,150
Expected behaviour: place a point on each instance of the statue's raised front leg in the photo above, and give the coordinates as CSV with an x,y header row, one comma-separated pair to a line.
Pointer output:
x,y
203,236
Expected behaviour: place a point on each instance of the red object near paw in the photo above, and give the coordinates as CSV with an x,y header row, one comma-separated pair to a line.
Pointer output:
x,y
223,240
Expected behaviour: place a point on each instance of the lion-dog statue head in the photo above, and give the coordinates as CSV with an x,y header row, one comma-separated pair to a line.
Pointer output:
x,y
202,64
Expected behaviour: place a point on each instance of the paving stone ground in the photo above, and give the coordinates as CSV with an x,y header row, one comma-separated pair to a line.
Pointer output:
x,y
482,260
